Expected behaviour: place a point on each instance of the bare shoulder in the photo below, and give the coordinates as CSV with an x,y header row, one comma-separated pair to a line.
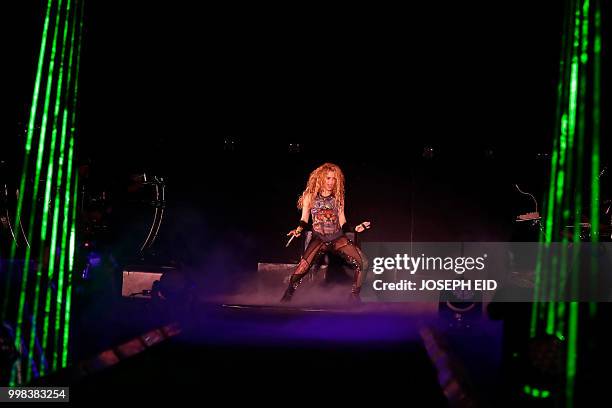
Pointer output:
x,y
307,200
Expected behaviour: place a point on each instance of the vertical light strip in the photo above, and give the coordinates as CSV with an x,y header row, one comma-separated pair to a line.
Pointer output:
x,y
546,234
58,185
70,275
567,192
572,336
42,314
28,147
67,201
65,232
565,199
39,163
24,177
595,154
45,203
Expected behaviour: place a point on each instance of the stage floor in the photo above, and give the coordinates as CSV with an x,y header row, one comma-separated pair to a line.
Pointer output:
x,y
350,350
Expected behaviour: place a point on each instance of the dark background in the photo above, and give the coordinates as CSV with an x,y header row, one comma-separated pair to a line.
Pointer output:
x,y
210,97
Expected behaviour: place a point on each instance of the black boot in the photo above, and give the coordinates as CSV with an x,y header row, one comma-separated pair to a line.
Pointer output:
x,y
294,282
354,297
288,294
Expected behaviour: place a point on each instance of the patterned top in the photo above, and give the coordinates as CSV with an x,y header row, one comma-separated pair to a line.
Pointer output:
x,y
324,212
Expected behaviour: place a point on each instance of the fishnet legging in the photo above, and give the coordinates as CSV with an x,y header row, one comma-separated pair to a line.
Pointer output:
x,y
342,247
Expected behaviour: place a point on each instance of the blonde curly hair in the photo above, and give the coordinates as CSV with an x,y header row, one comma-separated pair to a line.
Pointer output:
x,y
316,181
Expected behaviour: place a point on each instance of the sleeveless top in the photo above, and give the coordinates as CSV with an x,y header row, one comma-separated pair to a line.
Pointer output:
x,y
325,216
